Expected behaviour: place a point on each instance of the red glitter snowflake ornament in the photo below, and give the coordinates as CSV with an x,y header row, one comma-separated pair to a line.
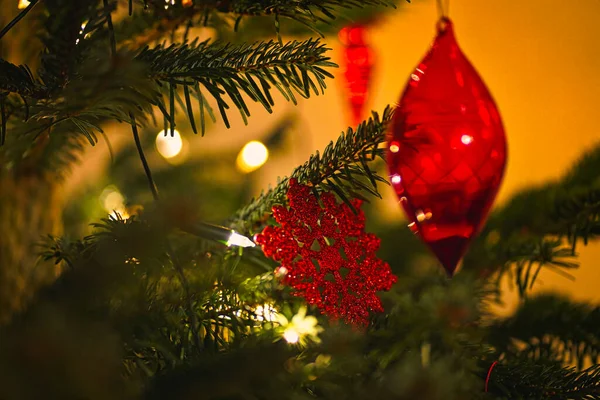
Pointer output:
x,y
326,256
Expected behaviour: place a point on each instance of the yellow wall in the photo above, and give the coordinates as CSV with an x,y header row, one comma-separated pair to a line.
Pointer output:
x,y
541,61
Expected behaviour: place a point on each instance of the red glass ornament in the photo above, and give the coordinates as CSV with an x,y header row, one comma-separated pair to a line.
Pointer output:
x,y
358,68
447,149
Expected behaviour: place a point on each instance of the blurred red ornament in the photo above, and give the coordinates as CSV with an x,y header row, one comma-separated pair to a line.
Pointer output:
x,y
447,149
326,256
358,68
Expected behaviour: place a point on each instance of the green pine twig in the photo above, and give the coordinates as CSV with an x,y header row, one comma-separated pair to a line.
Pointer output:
x,y
225,71
343,166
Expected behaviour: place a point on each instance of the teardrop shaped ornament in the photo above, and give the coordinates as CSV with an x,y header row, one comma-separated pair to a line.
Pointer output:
x,y
446,149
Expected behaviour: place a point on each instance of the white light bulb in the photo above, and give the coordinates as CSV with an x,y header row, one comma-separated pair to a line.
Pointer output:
x,y
291,336
253,155
23,4
168,146
239,240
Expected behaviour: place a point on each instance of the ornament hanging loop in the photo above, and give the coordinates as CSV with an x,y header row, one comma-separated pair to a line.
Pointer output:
x,y
443,7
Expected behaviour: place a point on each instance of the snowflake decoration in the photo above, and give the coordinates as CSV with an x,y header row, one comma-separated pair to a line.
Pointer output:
x,y
326,255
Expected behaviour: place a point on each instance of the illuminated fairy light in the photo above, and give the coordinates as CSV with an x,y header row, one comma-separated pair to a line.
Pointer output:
x,y
114,202
23,4
300,328
466,139
420,216
235,239
266,312
169,146
291,336
252,156
394,148
396,179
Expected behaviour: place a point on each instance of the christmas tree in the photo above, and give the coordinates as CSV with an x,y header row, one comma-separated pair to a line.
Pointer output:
x,y
192,289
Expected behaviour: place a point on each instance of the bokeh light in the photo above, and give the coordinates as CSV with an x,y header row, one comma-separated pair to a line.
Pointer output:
x,y
253,156
169,146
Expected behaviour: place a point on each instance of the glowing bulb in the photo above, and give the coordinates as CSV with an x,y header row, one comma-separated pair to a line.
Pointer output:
x,y
420,216
253,156
114,202
466,139
168,146
23,4
266,312
396,179
394,148
291,336
239,240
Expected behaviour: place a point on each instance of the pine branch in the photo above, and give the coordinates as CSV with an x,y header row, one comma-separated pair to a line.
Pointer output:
x,y
525,256
233,71
548,328
307,12
342,168
20,80
534,381
64,22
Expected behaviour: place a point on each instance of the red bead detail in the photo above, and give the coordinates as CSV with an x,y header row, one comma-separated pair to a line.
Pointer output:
x,y
327,256
449,150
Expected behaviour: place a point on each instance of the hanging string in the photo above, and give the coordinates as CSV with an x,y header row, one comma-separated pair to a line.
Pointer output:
x,y
443,7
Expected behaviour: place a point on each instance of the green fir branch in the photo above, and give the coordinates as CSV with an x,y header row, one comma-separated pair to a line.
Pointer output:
x,y
524,258
342,168
539,381
225,71
550,327
310,13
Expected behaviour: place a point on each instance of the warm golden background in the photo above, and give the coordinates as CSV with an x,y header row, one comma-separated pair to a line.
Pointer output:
x,y
541,61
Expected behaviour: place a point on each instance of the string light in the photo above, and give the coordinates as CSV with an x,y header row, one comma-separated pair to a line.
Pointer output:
x,y
239,240
114,202
169,146
252,156
300,328
23,4
266,312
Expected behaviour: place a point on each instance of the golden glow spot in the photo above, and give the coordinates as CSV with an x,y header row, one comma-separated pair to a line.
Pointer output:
x,y
253,156
428,215
394,148
23,4
420,216
266,312
466,139
114,202
168,146
281,272
291,336
396,179
300,328
415,77
187,3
